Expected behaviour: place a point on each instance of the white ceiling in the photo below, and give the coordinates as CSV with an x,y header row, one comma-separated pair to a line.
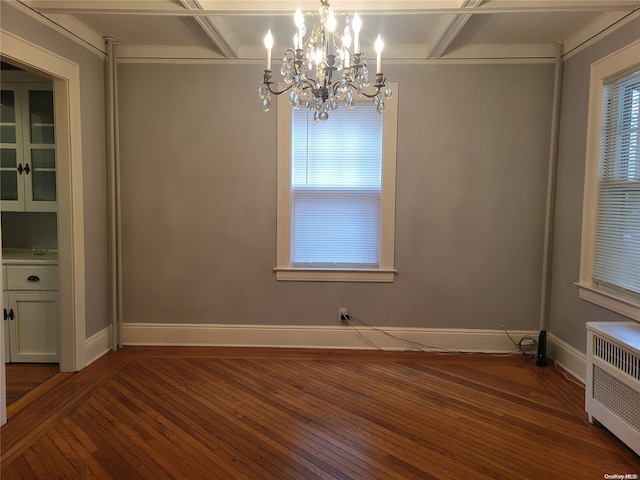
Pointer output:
x,y
412,30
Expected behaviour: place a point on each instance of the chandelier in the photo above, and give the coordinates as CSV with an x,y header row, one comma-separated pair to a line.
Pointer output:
x,y
323,69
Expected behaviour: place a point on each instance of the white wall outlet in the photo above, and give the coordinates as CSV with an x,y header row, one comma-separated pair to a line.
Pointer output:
x,y
342,312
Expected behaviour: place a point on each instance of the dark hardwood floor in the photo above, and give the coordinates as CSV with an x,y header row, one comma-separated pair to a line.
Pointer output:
x,y
24,377
236,413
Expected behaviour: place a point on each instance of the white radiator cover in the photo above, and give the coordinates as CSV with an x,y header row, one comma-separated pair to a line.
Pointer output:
x,y
612,395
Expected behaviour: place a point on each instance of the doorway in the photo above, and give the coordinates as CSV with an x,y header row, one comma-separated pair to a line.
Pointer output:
x,y
29,222
65,77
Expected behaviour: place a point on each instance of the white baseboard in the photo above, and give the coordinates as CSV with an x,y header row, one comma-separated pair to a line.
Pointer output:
x,y
97,345
330,337
568,357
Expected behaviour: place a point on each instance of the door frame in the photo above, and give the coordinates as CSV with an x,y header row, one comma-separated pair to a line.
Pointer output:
x,y
65,76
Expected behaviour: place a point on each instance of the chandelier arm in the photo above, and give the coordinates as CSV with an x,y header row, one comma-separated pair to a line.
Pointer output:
x,y
379,85
309,83
374,95
365,94
275,92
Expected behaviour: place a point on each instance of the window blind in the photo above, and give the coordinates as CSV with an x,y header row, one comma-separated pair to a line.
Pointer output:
x,y
617,239
336,184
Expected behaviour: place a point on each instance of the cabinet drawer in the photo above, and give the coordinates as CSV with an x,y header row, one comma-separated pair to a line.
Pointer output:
x,y
37,277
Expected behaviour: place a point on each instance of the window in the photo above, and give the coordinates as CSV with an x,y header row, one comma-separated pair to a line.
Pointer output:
x,y
336,194
610,262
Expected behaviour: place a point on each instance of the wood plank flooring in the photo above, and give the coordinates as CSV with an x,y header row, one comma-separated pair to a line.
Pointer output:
x,y
235,413
24,377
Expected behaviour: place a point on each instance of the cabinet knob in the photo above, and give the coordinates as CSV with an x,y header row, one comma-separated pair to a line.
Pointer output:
x,y
5,313
20,168
26,168
33,278
11,314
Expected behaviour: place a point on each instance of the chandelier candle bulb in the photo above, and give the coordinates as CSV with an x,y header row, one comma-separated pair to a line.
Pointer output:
x,y
379,45
357,25
331,22
346,45
268,43
298,19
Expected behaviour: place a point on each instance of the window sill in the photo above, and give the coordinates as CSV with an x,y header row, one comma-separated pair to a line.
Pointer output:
x,y
614,301
334,275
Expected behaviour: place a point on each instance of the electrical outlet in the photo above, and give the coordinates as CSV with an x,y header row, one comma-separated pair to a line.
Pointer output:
x,y
342,314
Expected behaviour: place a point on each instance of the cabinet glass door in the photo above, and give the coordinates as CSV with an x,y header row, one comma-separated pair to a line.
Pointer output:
x,y
43,170
11,168
27,148
41,188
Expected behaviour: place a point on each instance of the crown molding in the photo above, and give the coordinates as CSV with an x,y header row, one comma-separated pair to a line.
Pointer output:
x,y
66,25
409,54
597,30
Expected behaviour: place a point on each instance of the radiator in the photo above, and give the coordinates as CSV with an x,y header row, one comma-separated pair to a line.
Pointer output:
x,y
612,395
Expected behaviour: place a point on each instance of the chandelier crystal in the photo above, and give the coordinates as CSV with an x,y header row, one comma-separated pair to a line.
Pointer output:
x,y
322,69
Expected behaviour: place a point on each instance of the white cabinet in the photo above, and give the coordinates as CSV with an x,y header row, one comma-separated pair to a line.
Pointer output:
x,y
31,313
7,343
27,148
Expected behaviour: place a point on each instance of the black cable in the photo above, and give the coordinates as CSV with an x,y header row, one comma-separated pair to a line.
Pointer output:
x,y
420,346
347,319
520,346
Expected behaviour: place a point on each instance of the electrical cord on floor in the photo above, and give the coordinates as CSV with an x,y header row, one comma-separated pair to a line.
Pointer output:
x,y
567,377
524,344
347,318
532,343
416,345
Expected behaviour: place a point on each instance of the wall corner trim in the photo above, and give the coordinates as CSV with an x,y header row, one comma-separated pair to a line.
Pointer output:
x,y
97,345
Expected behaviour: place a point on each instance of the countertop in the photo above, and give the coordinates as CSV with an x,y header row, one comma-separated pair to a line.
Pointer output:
x,y
18,256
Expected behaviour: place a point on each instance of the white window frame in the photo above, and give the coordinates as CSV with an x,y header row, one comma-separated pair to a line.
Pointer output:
x,y
624,61
386,270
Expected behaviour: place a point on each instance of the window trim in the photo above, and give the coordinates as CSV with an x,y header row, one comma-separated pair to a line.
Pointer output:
x,y
386,271
613,66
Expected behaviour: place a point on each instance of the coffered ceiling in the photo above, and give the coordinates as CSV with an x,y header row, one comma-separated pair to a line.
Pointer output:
x,y
413,30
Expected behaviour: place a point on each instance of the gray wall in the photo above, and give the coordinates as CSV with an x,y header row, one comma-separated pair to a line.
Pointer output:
x,y
568,313
199,179
199,200
93,154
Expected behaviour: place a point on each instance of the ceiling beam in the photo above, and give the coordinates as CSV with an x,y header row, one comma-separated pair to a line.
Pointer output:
x,y
216,29
258,8
447,30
